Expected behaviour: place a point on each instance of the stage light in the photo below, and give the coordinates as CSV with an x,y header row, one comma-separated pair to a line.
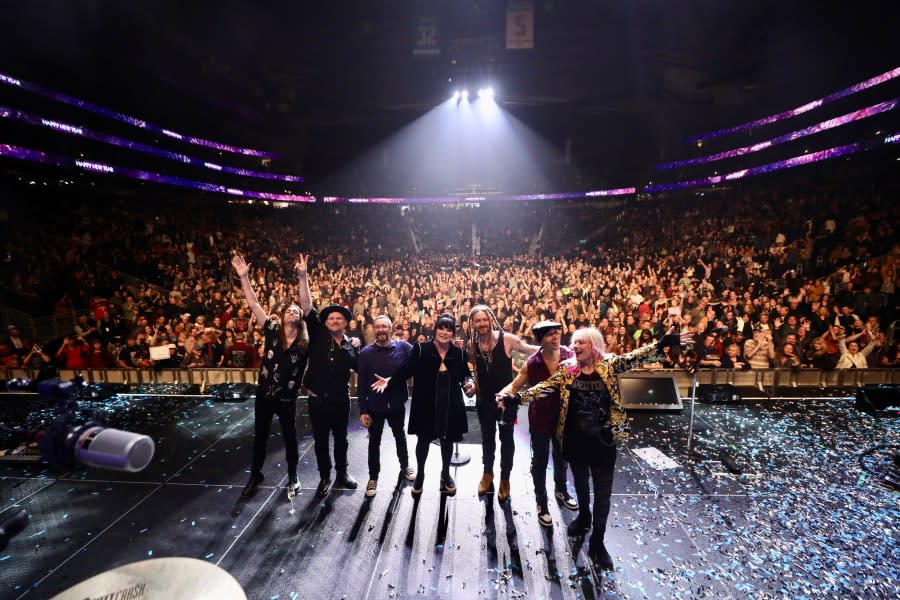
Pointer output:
x,y
455,95
465,94
481,92
489,92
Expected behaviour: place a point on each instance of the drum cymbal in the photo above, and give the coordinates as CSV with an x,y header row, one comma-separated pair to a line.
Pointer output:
x,y
159,578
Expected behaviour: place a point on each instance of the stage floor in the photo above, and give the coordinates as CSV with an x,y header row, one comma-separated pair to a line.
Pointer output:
x,y
804,519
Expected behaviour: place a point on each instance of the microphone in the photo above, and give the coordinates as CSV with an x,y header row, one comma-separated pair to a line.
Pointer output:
x,y
13,527
721,329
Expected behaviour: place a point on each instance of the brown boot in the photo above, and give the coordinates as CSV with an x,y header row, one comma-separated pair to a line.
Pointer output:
x,y
486,484
503,494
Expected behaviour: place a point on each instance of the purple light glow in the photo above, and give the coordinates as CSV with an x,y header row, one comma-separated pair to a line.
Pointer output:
x,y
31,119
788,137
97,167
863,85
476,198
796,161
94,108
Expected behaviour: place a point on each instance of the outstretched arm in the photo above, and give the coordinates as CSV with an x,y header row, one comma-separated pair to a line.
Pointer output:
x,y
514,342
516,384
303,282
242,268
650,353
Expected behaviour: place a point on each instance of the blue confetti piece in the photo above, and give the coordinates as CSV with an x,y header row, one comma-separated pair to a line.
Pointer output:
x,y
210,555
4,557
149,552
144,530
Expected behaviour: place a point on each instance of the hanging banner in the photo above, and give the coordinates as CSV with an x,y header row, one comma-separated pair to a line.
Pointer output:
x,y
427,38
519,25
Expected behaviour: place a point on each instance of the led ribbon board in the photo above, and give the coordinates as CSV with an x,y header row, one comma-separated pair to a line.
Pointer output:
x,y
777,166
133,121
853,89
788,137
476,198
31,119
98,167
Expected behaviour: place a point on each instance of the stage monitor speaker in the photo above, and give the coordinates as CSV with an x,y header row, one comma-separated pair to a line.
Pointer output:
x,y
717,393
874,399
649,391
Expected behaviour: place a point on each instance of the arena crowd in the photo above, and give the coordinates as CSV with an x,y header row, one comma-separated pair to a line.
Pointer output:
x,y
765,278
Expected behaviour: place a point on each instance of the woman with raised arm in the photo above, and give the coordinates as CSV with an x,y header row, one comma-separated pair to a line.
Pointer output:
x,y
283,364
591,420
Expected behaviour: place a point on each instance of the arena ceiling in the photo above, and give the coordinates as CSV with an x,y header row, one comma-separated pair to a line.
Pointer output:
x,y
622,80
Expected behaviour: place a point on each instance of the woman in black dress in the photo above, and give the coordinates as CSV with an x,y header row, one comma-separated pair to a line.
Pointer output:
x,y
437,410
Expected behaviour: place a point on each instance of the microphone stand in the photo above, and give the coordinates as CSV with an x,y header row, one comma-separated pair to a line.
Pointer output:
x,y
691,353
690,439
459,458
692,455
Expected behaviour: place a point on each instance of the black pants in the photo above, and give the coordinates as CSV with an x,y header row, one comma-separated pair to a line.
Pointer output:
x,y
264,409
603,479
375,429
330,416
542,444
422,446
487,418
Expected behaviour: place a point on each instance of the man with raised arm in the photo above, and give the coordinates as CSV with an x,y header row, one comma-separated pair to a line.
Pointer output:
x,y
332,355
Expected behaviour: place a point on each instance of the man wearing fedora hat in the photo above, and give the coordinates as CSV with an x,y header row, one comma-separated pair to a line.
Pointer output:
x,y
332,355
543,415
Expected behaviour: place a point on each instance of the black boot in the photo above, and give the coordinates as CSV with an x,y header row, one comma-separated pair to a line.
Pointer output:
x,y
252,485
419,483
344,480
580,525
601,558
448,486
323,487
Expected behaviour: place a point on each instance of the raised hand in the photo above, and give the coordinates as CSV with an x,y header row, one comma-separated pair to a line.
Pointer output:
x,y
301,264
240,266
